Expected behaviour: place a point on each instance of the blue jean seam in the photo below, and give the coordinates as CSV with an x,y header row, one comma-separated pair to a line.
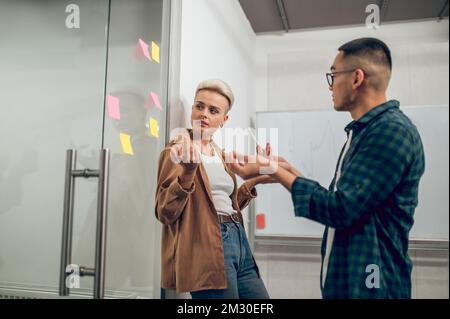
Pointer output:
x,y
241,249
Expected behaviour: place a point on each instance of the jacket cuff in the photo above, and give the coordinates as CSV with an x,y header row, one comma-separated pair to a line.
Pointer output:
x,y
302,191
179,191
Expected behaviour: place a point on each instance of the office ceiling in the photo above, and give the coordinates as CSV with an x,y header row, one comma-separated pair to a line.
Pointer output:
x,y
267,16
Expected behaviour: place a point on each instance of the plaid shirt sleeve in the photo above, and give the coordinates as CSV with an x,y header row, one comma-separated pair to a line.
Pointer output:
x,y
367,178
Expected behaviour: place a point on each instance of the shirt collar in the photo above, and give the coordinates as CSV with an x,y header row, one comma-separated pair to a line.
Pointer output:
x,y
371,115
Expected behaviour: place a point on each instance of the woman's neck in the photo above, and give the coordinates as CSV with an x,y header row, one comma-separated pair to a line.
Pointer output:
x,y
207,147
206,143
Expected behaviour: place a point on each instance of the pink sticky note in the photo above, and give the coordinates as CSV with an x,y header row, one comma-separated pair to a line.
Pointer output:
x,y
144,49
113,107
155,100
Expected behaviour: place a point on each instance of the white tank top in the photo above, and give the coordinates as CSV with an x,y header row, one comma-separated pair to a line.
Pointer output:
x,y
221,183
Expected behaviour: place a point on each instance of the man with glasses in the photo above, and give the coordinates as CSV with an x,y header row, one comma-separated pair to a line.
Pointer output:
x,y
368,209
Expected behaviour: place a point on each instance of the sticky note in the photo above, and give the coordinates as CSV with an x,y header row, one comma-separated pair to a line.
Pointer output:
x,y
154,127
155,100
260,221
144,49
113,107
125,141
155,52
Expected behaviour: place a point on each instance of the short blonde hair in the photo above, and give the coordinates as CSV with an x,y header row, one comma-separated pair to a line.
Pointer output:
x,y
218,86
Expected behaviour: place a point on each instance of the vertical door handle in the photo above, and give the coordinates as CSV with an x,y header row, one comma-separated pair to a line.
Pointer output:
x,y
66,245
102,208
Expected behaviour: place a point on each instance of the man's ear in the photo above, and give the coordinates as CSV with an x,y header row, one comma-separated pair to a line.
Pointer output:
x,y
358,78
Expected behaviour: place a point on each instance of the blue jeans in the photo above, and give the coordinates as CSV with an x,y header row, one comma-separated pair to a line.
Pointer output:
x,y
243,279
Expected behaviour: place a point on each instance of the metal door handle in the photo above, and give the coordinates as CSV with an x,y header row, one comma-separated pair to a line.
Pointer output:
x,y
66,245
102,208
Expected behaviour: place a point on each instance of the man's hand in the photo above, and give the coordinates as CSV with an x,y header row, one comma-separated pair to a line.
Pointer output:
x,y
261,179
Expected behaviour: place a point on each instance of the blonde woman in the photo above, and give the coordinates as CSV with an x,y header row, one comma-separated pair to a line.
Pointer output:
x,y
205,250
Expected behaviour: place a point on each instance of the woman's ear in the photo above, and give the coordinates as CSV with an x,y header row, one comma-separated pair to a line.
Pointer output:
x,y
225,119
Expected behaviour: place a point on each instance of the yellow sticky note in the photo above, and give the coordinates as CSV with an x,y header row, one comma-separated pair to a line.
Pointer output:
x,y
125,141
154,127
155,52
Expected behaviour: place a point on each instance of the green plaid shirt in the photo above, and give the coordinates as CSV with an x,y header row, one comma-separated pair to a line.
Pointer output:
x,y
372,209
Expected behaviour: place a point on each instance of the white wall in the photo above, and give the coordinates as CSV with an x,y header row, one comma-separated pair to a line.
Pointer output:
x,y
217,42
291,67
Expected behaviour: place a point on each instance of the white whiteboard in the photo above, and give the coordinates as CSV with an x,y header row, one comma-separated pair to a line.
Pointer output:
x,y
312,141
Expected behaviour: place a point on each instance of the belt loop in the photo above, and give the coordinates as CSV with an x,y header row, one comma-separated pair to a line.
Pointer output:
x,y
234,221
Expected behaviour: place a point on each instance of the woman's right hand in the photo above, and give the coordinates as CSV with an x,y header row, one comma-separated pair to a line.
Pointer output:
x,y
186,153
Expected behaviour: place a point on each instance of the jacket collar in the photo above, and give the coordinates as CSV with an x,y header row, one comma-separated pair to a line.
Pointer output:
x,y
371,115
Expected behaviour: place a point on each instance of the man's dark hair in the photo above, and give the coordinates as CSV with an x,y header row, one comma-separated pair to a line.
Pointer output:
x,y
376,50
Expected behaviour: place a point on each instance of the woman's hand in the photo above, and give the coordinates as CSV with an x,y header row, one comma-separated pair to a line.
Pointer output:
x,y
267,152
249,166
186,153
246,166
264,163
282,162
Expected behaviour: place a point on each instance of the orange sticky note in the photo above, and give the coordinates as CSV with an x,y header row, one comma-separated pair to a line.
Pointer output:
x,y
125,141
113,107
155,52
260,221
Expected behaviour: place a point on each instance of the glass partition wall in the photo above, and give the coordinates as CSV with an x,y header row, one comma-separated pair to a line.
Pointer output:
x,y
82,75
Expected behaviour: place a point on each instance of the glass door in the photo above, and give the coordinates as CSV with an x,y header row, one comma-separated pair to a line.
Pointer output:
x,y
83,75
137,80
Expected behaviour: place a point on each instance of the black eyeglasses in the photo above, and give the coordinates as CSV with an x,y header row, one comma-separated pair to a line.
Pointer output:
x,y
330,76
